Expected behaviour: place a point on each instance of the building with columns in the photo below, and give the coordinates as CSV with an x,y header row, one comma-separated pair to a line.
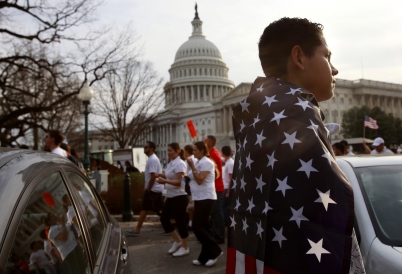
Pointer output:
x,y
199,89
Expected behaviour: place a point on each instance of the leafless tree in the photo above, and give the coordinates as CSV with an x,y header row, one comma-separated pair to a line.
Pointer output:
x,y
39,77
129,101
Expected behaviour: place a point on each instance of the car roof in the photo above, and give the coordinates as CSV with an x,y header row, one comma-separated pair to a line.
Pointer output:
x,y
371,160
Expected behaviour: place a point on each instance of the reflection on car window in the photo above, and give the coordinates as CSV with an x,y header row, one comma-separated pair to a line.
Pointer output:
x,y
47,240
383,187
89,205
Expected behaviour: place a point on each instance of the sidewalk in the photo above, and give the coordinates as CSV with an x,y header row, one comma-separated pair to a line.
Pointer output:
x,y
148,252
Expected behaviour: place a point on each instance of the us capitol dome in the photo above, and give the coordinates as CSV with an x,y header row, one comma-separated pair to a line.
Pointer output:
x,y
198,76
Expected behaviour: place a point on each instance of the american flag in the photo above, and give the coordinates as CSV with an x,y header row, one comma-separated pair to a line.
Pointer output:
x,y
291,207
370,122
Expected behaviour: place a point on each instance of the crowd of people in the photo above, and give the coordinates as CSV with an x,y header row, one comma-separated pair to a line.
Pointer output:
x,y
342,148
196,196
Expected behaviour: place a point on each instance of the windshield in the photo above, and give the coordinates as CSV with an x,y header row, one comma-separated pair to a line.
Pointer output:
x,y
382,188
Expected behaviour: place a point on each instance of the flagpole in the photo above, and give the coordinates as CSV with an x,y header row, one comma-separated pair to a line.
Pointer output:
x,y
364,128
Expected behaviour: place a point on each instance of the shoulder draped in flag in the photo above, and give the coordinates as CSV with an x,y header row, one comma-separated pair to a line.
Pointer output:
x,y
291,207
370,122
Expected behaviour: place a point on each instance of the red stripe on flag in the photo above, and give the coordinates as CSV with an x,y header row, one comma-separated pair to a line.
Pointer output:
x,y
231,261
250,264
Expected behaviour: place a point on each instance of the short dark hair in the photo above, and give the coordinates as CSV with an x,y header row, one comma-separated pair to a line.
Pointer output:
x,y
212,138
175,146
57,135
202,146
65,147
189,149
151,145
340,146
226,150
281,36
344,142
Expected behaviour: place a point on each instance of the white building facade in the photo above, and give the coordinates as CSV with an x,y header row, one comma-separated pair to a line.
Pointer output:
x,y
199,89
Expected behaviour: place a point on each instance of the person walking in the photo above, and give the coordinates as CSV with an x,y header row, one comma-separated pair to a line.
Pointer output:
x,y
152,200
217,224
130,168
53,139
227,179
188,152
176,202
203,192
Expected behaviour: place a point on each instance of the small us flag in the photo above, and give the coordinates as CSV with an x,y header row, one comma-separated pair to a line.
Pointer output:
x,y
291,207
370,122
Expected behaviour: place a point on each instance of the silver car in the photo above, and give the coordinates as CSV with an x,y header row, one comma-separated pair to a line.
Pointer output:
x,y
52,219
377,186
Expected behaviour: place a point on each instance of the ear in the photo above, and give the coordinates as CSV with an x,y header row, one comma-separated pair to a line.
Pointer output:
x,y
297,57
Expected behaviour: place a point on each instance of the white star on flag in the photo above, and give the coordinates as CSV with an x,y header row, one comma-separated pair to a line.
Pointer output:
x,y
307,167
279,236
239,146
234,184
317,249
242,125
271,160
313,127
278,117
270,100
283,186
250,204
243,184
328,156
237,204
291,139
245,225
249,161
260,89
256,120
325,199
293,91
240,164
267,208
260,183
233,222
245,142
298,216
304,104
244,105
259,229
260,138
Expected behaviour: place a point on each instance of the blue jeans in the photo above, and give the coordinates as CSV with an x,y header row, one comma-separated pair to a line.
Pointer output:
x,y
217,224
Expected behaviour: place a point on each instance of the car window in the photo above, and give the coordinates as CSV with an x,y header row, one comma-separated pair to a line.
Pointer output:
x,y
382,187
48,238
89,205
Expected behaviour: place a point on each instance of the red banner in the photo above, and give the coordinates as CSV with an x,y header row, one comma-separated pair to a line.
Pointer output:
x,y
191,128
48,198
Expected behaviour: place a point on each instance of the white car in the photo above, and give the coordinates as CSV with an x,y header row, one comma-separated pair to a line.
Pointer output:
x,y
377,186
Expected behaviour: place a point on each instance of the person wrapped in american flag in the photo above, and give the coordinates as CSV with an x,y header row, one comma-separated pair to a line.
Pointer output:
x,y
291,208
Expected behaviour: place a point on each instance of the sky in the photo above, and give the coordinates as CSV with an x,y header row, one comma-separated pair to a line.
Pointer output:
x,y
364,36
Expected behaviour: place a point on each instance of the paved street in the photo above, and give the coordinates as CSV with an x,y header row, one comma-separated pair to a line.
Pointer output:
x,y
149,254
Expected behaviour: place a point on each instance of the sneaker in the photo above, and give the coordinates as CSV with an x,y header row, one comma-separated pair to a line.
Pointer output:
x,y
211,262
174,247
181,252
132,232
196,262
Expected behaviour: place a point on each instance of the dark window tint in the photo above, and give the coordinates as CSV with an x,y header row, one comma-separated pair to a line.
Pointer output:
x,y
49,237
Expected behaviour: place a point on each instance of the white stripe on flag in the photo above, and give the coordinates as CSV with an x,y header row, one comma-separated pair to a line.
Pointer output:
x,y
240,268
260,267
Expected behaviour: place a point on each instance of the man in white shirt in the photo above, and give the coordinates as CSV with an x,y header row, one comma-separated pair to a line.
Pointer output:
x,y
346,144
53,139
227,179
152,200
379,147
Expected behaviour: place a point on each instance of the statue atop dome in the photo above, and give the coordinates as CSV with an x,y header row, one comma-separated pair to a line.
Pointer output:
x,y
196,12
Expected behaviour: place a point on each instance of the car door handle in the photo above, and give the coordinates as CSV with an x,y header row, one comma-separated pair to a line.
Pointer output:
x,y
124,255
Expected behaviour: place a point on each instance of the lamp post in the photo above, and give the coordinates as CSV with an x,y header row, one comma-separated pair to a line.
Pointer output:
x,y
86,94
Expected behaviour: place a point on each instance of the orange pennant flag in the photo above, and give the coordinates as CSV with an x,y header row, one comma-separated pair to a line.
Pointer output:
x,y
48,198
191,128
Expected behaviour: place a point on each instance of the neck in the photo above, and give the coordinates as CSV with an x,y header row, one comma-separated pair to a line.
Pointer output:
x,y
52,146
226,157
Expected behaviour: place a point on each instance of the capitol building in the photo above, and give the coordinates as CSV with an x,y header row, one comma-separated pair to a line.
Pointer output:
x,y
200,89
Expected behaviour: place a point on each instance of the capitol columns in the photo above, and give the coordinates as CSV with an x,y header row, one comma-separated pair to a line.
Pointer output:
x,y
225,118
170,133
